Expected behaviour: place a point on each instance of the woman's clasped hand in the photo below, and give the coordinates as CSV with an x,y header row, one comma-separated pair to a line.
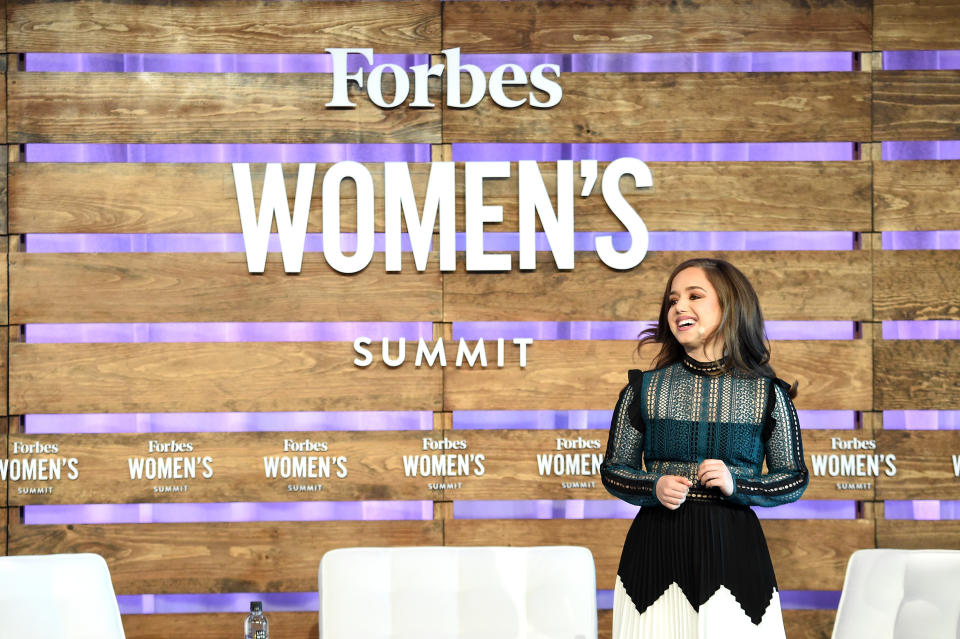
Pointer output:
x,y
713,473
672,489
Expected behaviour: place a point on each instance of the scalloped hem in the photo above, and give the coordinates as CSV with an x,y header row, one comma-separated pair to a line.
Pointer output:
x,y
672,616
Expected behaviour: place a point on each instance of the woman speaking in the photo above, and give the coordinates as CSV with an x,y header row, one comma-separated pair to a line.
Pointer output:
x,y
687,443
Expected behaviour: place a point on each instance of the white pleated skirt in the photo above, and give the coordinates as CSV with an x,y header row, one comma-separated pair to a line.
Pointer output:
x,y
672,617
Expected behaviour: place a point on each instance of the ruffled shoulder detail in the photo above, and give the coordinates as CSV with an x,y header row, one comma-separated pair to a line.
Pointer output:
x,y
785,385
770,422
635,376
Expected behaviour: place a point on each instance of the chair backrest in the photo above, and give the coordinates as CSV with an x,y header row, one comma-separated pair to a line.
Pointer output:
x,y
900,594
458,593
62,596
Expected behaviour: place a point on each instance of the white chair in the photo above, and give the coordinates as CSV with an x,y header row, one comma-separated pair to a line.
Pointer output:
x,y
62,596
900,594
458,593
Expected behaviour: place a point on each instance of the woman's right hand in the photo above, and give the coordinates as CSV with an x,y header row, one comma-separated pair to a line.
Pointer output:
x,y
672,490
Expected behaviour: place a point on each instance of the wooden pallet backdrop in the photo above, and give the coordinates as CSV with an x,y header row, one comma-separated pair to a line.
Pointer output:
x,y
865,285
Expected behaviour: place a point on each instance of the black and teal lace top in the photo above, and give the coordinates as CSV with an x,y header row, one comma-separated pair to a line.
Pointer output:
x,y
669,420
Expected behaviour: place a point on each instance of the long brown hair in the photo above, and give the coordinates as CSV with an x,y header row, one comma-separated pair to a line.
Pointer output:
x,y
745,344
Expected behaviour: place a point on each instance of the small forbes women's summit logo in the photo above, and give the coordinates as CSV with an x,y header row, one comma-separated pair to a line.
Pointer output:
x,y
37,463
573,460
165,461
856,459
444,459
299,462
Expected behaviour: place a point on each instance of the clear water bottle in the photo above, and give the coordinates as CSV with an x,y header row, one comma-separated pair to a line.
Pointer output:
x,y
255,625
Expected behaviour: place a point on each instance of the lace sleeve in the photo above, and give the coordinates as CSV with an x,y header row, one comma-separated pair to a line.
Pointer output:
x,y
786,477
622,470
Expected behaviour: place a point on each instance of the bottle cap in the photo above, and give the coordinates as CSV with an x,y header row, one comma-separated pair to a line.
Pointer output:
x,y
256,606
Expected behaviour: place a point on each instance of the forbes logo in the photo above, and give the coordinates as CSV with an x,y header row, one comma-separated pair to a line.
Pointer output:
x,y
306,446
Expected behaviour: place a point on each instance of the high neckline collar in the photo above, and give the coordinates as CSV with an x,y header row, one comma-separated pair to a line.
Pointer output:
x,y
715,367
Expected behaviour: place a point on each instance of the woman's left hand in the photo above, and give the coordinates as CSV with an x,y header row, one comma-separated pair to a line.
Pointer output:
x,y
713,472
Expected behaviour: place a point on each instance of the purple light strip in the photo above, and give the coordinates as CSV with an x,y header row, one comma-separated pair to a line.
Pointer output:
x,y
776,330
309,601
906,60
921,420
240,603
191,332
237,602
658,152
462,152
926,509
744,62
180,332
759,62
920,240
921,150
228,422
809,599
921,329
600,419
209,62
223,153
360,421
239,512
493,242
616,509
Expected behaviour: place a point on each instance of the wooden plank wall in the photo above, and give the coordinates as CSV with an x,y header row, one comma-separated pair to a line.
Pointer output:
x,y
866,285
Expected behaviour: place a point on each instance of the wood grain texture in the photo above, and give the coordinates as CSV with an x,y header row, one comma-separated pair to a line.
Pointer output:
x,y
809,624
4,382
604,624
185,287
627,26
671,107
686,196
916,105
4,125
807,554
4,291
918,24
916,285
205,287
812,554
218,557
227,467
792,285
188,377
910,534
288,625
576,375
4,215
222,26
215,108
917,374
925,464
920,195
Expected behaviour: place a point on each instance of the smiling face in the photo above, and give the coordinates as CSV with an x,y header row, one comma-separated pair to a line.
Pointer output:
x,y
695,314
